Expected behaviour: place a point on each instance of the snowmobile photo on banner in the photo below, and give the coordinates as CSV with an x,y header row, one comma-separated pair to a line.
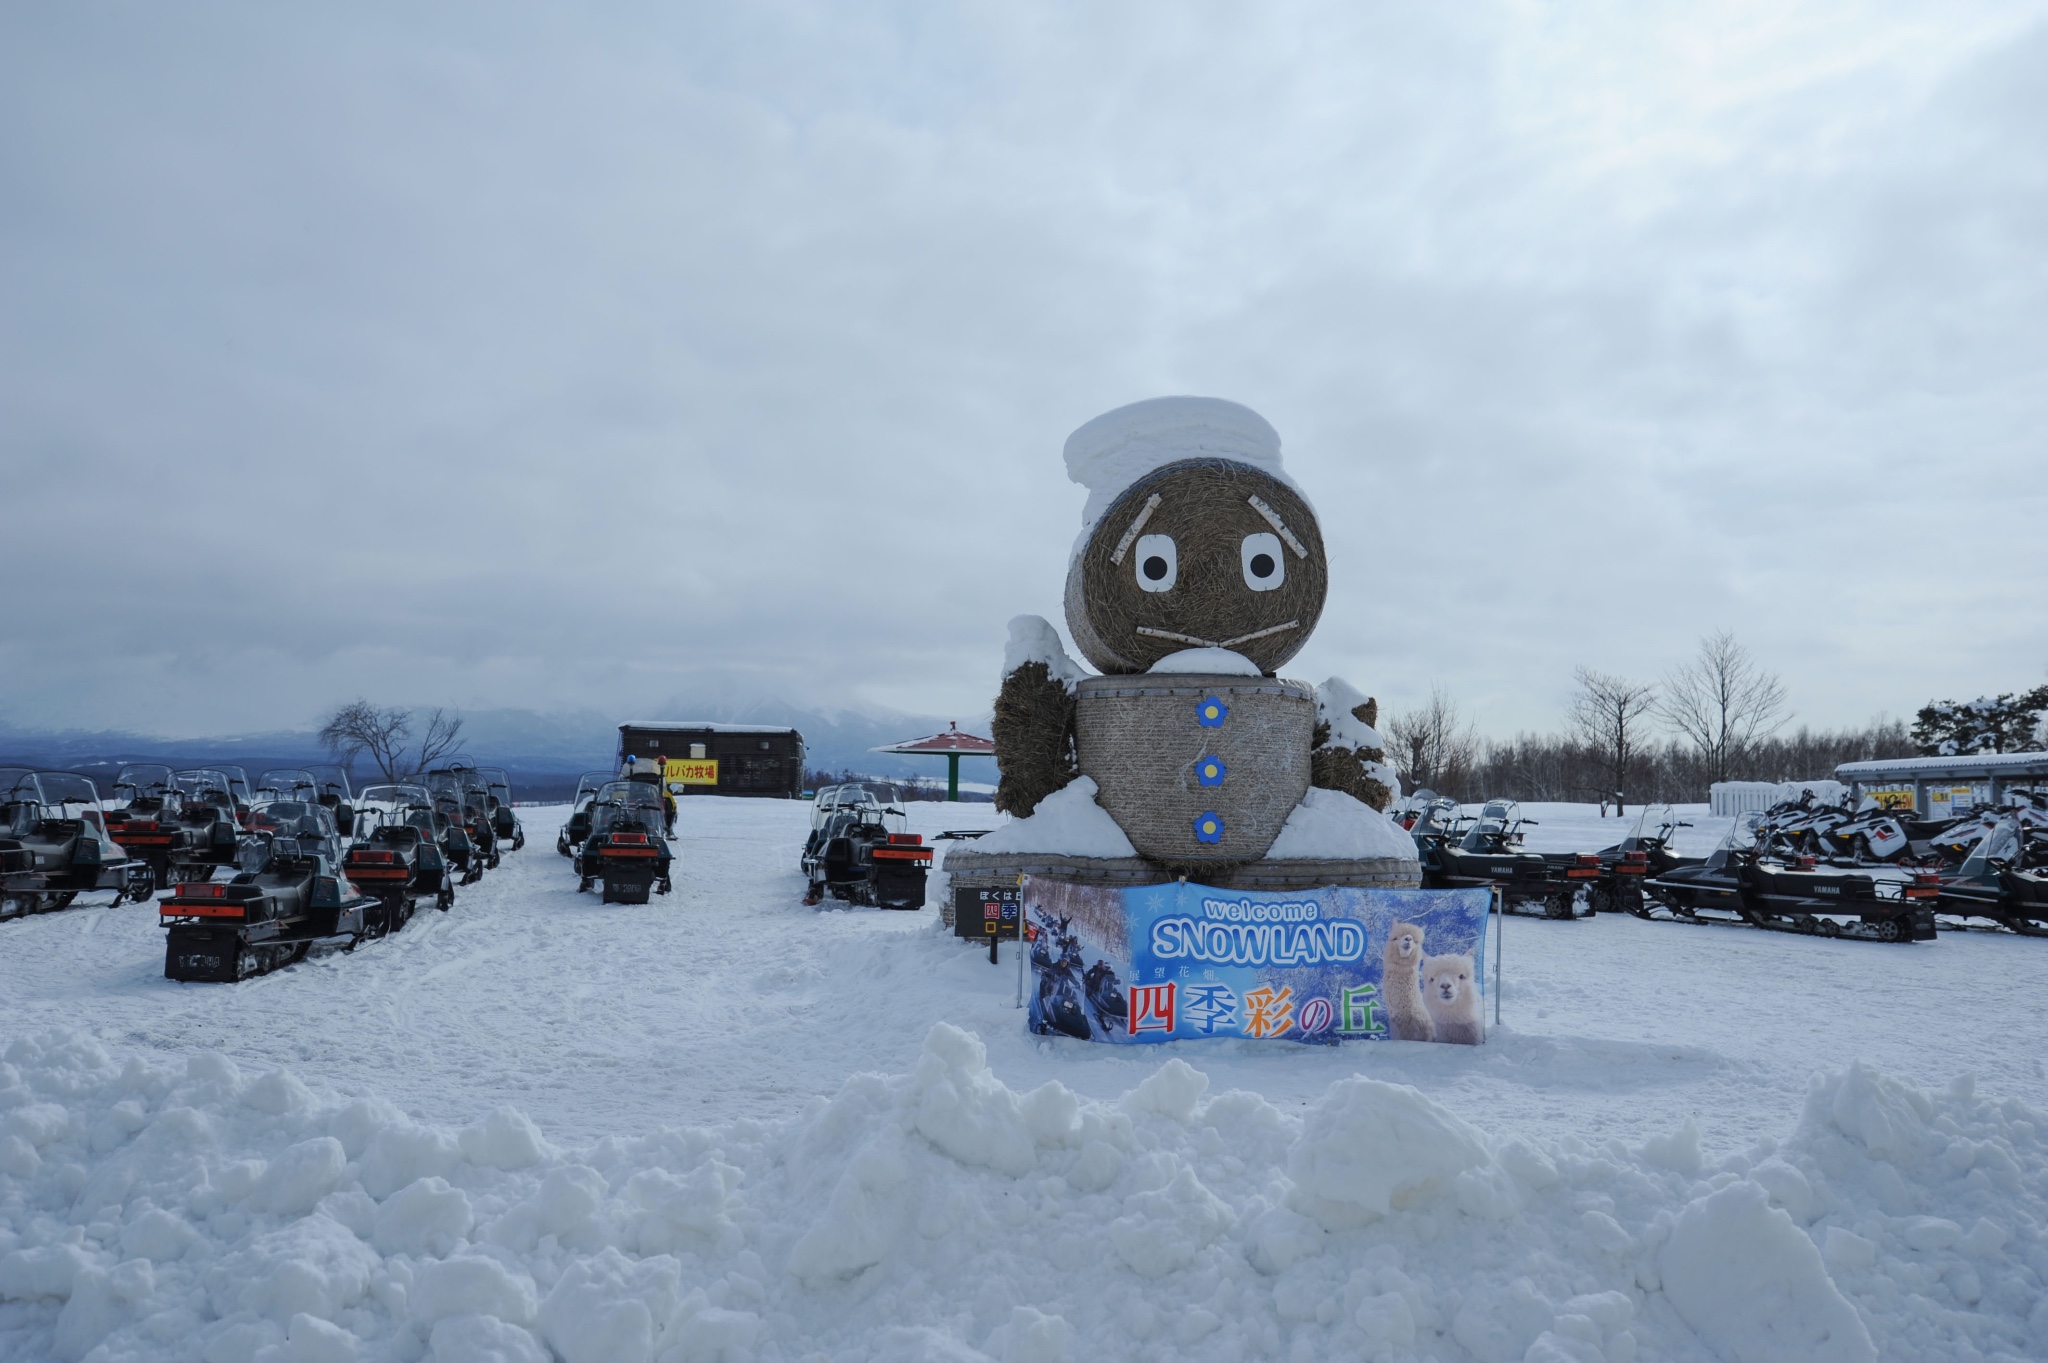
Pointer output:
x,y
860,852
625,848
54,845
286,895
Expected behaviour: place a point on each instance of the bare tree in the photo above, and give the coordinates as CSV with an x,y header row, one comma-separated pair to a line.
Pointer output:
x,y
1723,703
1607,714
383,733
1437,742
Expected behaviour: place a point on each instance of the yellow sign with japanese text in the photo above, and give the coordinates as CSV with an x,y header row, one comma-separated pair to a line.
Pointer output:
x,y
690,771
1894,799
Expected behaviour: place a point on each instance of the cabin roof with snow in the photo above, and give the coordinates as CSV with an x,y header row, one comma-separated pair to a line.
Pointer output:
x,y
1999,764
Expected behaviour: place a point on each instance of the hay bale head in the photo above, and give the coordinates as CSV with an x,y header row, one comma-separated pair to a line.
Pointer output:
x,y
1199,552
1197,770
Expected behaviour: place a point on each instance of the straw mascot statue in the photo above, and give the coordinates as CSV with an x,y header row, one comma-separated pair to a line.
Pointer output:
x,y
1199,572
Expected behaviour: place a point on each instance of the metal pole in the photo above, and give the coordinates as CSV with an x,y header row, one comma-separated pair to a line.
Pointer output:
x,y
953,777
1021,952
1500,921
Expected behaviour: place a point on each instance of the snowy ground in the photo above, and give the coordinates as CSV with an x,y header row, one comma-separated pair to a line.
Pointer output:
x,y
697,1052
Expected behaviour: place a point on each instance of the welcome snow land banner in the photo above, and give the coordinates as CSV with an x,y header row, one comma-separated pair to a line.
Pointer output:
x,y
1172,962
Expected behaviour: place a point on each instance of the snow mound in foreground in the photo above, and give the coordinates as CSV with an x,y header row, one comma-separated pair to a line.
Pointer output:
x,y
156,1209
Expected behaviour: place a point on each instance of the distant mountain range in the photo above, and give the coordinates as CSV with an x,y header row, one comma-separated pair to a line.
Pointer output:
x,y
544,753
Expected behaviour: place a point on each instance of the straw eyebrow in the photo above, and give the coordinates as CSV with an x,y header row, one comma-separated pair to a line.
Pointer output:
x,y
1123,546
1273,519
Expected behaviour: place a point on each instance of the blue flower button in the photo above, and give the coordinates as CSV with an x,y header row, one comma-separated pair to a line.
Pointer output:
x,y
1211,713
1209,771
1209,827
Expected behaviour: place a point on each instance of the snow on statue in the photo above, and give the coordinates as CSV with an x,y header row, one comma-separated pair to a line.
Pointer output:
x,y
1199,572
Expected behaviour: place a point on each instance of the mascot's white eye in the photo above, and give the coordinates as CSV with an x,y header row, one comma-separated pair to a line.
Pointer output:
x,y
1264,566
1158,563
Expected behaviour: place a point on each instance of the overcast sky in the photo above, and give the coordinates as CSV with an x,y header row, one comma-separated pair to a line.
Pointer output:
x,y
503,356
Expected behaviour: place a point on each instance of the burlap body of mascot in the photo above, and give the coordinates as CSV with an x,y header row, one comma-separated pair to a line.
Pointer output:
x,y
1199,572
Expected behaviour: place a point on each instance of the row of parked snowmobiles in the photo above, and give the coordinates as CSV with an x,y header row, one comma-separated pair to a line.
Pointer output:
x,y
310,860
1805,866
1801,867
617,837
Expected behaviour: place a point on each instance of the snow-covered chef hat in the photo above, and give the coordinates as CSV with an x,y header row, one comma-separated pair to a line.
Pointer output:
x,y
1118,448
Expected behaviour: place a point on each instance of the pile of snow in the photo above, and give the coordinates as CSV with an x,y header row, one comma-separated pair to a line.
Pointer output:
x,y
1119,447
1333,826
1067,822
1335,701
154,1209
1216,661
1034,640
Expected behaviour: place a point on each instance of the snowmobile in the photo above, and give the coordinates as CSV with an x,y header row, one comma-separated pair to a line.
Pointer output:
x,y
285,897
1645,852
147,824
333,784
1489,852
625,848
1874,835
1741,883
577,827
504,821
212,823
855,855
2004,879
1058,1005
54,845
397,855
1105,994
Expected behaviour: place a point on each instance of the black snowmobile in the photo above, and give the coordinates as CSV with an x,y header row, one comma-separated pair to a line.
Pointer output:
x,y
285,897
397,855
504,821
335,793
577,827
211,821
1488,852
2004,879
1740,883
858,853
1645,852
146,825
54,845
625,848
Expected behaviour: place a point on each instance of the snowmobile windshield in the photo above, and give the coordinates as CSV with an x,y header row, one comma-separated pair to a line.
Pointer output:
x,y
333,780
141,779
396,796
74,793
204,784
290,818
2000,844
1656,822
287,783
1742,837
1438,818
18,785
590,783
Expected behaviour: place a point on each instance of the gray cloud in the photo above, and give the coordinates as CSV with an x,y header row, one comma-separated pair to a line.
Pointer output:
x,y
502,357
